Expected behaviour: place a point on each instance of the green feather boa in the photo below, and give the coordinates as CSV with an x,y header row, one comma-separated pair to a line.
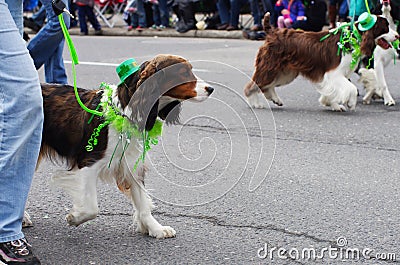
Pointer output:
x,y
123,126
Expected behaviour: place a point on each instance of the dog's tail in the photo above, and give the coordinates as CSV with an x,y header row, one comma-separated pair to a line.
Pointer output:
x,y
267,25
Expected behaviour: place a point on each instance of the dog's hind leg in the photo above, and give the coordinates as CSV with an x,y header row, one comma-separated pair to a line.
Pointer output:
x,y
81,185
368,79
254,96
145,221
280,79
270,94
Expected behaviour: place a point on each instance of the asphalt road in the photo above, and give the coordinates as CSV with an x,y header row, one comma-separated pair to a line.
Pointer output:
x,y
238,184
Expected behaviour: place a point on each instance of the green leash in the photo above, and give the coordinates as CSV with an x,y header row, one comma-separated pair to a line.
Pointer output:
x,y
74,58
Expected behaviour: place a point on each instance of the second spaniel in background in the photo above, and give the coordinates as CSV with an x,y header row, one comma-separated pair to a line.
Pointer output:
x,y
374,78
288,53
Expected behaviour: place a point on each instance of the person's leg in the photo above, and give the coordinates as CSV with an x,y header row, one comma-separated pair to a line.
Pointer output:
x,y
287,22
343,11
164,12
256,13
92,18
223,10
187,9
82,20
16,11
236,5
54,70
40,16
21,118
141,14
268,6
332,13
156,15
134,20
235,12
280,22
45,46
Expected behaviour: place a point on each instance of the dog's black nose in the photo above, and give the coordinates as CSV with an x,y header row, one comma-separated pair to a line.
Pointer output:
x,y
209,89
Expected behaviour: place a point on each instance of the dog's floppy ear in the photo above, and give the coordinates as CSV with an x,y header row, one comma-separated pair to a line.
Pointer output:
x,y
368,37
170,112
145,100
367,43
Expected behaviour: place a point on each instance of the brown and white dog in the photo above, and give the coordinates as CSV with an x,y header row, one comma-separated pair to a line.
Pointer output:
x,y
287,53
374,78
66,133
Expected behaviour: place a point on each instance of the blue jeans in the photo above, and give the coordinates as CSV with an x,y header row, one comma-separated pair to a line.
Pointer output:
x,y
21,118
224,11
47,46
40,16
139,17
268,6
255,12
161,13
87,11
230,15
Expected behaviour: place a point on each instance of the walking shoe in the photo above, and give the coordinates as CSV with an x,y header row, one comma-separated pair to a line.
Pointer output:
x,y
98,32
222,26
17,252
140,29
230,28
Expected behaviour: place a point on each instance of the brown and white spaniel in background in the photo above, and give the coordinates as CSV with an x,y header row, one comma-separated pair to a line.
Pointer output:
x,y
373,79
156,90
287,53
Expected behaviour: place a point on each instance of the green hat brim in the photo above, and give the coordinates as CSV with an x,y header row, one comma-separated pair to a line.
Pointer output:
x,y
132,66
131,71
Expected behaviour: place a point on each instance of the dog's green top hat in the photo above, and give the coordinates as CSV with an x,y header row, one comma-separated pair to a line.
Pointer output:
x,y
366,21
127,68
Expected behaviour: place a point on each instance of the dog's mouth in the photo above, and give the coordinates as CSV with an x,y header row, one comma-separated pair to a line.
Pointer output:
x,y
383,43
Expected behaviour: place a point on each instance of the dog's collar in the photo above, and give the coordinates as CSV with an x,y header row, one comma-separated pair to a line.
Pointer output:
x,y
120,122
349,35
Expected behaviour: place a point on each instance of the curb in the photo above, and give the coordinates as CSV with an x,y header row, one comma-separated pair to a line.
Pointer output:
x,y
209,33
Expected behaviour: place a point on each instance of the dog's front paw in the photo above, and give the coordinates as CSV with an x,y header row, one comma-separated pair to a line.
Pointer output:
x,y
390,102
366,101
338,107
75,219
163,232
277,101
72,220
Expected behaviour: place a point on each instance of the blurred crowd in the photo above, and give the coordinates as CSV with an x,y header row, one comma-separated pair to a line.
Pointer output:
x,y
215,14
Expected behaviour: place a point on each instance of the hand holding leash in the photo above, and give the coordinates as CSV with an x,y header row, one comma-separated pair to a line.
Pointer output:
x,y
59,7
